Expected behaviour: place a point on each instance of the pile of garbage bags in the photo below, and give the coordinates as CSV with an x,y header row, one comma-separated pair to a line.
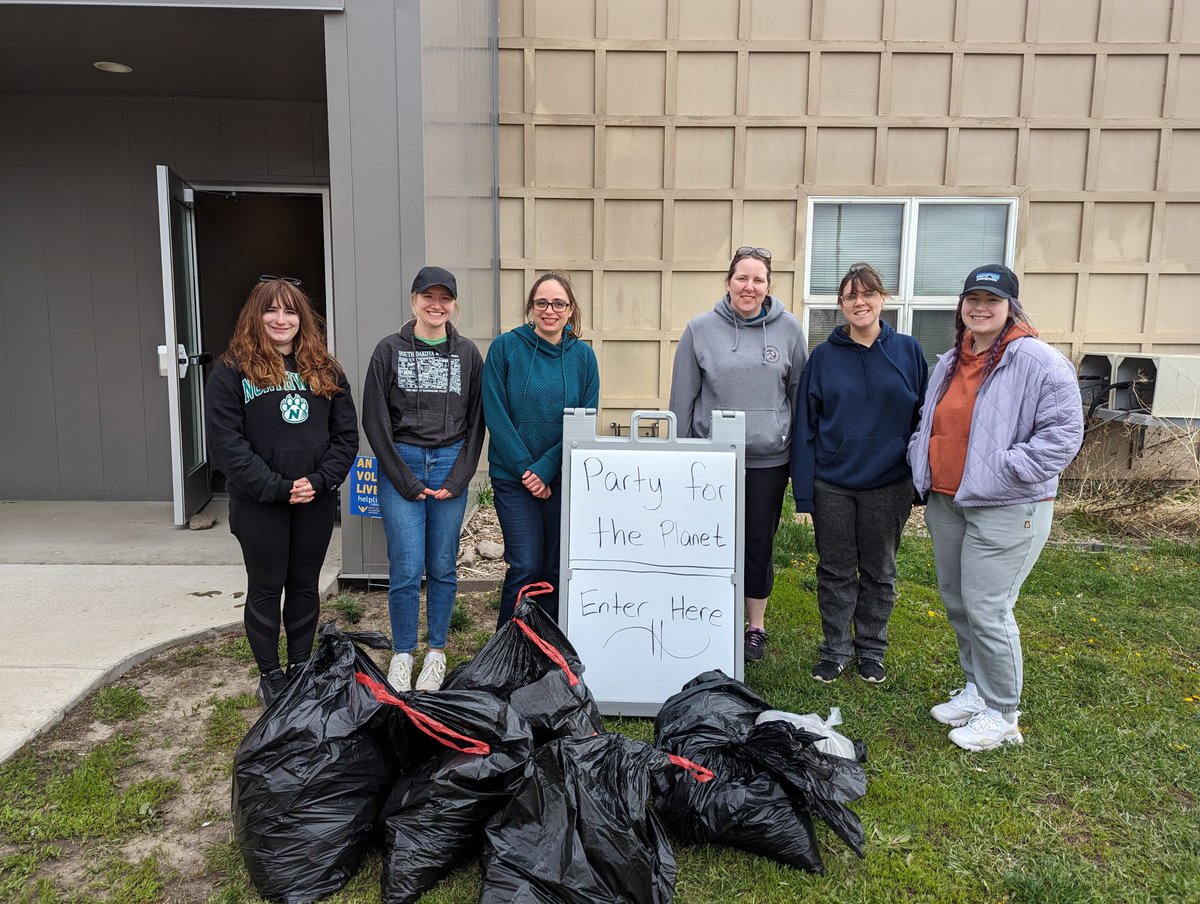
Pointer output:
x,y
509,766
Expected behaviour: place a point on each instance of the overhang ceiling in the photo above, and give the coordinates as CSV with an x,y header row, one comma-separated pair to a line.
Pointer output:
x,y
174,52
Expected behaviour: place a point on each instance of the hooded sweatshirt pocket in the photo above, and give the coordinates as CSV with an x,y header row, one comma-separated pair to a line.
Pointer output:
x,y
764,434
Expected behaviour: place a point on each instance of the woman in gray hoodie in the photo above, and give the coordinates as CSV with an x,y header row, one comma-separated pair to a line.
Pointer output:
x,y
746,354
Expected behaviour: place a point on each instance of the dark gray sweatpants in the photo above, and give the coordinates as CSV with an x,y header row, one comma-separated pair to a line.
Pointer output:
x,y
857,533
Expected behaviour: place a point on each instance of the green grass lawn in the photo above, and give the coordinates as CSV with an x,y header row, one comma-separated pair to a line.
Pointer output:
x,y
1099,804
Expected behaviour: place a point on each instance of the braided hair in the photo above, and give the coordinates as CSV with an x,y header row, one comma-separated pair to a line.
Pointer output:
x,y
1016,314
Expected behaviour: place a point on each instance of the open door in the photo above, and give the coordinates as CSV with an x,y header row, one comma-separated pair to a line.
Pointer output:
x,y
180,358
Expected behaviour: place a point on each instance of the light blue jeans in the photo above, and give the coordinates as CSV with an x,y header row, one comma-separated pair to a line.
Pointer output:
x,y
422,536
983,556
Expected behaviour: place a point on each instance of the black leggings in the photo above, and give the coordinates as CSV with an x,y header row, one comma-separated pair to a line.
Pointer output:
x,y
764,507
284,546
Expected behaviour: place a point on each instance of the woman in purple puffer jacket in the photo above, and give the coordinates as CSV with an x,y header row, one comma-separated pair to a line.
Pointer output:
x,y
1002,418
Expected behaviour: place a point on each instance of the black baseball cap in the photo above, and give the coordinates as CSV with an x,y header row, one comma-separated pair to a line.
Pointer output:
x,y
994,278
429,277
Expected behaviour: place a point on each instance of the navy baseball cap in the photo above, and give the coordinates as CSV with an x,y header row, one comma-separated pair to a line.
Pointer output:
x,y
994,278
429,277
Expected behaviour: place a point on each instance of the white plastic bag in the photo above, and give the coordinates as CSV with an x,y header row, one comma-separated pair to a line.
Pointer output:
x,y
832,742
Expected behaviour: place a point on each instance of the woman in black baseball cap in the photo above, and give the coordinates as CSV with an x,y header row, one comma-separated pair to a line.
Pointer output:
x,y
1002,418
423,415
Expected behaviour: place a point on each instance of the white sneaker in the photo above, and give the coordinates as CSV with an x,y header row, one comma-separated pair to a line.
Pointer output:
x,y
958,710
400,672
986,730
432,672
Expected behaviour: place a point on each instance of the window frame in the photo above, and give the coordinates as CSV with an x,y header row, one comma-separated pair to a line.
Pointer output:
x,y
903,302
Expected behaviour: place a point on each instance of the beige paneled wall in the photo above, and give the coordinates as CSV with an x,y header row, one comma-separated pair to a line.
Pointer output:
x,y
643,140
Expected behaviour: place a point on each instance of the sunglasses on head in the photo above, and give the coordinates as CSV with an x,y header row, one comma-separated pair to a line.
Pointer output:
x,y
747,250
271,278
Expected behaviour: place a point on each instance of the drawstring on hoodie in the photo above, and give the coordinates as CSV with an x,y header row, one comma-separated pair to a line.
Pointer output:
x,y
412,341
562,361
738,321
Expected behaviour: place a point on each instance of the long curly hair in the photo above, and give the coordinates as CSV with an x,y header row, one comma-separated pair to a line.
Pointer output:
x,y
252,352
1016,314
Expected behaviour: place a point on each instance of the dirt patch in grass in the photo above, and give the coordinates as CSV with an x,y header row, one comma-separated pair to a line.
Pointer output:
x,y
198,704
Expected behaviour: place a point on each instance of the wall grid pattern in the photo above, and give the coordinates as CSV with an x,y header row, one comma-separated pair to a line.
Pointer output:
x,y
641,142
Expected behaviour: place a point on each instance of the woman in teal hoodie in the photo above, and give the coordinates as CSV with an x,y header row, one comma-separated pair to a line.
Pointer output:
x,y
859,402
531,374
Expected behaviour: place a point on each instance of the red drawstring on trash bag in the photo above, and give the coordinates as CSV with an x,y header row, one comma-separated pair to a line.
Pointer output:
x,y
439,731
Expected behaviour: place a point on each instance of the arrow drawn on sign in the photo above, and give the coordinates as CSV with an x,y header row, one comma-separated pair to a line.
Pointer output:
x,y
656,642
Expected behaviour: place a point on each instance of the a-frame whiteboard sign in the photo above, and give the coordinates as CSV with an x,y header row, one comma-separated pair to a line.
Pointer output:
x,y
651,561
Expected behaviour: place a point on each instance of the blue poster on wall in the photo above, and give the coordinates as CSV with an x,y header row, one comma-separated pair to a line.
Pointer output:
x,y
365,502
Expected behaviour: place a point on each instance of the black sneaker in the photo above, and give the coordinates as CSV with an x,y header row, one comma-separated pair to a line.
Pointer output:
x,y
871,671
827,670
756,644
270,686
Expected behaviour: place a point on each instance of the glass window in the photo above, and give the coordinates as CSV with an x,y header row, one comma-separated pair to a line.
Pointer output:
x,y
923,249
823,321
954,239
844,234
935,331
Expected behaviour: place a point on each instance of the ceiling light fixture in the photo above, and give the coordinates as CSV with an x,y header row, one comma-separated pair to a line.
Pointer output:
x,y
105,66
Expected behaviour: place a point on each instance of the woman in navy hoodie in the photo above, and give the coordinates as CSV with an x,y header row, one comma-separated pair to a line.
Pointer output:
x,y
531,374
859,402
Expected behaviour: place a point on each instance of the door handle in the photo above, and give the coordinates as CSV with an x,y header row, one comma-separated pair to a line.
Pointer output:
x,y
182,360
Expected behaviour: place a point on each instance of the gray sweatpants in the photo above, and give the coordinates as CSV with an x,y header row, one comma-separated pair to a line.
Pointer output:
x,y
983,556
857,534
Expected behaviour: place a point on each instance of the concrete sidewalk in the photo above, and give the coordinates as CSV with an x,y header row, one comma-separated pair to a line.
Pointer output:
x,y
89,589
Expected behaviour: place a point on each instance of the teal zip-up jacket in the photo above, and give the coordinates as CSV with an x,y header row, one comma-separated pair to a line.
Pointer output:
x,y
527,382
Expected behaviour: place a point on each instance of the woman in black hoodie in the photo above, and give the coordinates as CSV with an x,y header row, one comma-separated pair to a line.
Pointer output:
x,y
423,415
281,426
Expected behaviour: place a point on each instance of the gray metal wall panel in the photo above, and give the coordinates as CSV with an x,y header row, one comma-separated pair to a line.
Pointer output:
x,y
29,413
197,135
151,140
457,87
64,214
404,178
290,139
320,142
215,4
117,336
244,137
81,288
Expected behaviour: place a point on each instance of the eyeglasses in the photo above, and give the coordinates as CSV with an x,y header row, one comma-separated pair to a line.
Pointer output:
x,y
866,295
747,250
271,278
558,306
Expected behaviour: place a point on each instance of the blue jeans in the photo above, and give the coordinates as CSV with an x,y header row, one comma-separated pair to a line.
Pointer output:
x,y
422,536
531,542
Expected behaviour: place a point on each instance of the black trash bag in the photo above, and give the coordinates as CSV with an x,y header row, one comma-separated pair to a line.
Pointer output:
x,y
313,772
578,828
433,819
824,782
530,664
770,779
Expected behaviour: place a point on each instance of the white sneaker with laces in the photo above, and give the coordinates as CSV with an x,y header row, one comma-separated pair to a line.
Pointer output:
x,y
986,730
400,672
958,710
433,672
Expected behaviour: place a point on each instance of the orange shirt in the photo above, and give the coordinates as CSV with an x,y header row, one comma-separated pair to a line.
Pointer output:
x,y
952,416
